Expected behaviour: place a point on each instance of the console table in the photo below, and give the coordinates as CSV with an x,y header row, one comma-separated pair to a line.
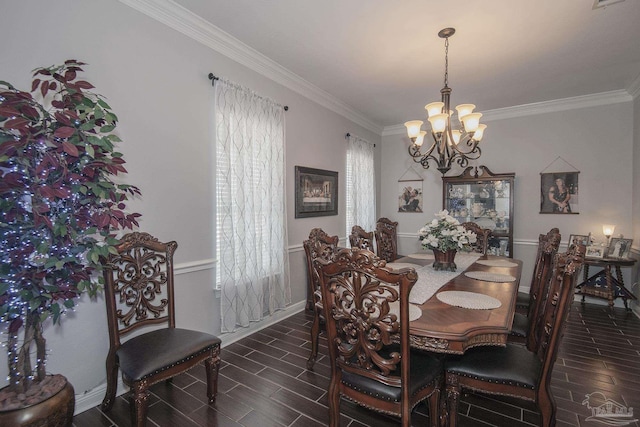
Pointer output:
x,y
603,284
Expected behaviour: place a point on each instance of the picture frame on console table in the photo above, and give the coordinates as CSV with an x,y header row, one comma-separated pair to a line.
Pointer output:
x,y
595,251
619,248
316,192
584,239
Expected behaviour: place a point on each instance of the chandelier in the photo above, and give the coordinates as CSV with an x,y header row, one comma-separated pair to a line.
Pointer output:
x,y
449,145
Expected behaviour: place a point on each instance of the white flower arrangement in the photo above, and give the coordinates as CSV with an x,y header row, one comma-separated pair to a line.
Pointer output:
x,y
445,233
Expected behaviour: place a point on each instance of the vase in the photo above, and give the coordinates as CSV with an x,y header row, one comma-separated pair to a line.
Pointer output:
x,y
54,411
444,260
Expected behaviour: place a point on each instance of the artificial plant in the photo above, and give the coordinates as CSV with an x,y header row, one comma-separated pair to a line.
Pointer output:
x,y
59,206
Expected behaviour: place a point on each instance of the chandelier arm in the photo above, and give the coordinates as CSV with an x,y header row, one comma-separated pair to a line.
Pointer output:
x,y
469,141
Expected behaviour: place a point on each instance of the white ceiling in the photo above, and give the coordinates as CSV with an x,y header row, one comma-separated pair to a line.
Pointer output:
x,y
384,58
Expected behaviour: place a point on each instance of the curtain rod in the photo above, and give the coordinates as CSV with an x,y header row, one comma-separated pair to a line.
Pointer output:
x,y
213,78
348,135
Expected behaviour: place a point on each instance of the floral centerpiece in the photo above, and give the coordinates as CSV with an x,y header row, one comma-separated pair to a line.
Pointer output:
x,y
445,236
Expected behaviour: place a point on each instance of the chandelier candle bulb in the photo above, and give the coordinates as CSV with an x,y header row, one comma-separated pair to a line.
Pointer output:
x,y
438,122
464,109
434,108
477,136
413,128
471,121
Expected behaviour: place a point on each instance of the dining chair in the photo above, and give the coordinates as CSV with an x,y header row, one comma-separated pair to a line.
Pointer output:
x,y
360,238
139,294
318,245
366,307
482,237
514,370
523,299
523,326
387,239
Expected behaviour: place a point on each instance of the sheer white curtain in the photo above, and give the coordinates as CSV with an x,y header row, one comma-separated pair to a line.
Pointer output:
x,y
251,233
361,184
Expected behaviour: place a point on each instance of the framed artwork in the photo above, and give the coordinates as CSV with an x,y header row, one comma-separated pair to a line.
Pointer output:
x,y
410,196
559,193
595,251
316,192
619,248
582,239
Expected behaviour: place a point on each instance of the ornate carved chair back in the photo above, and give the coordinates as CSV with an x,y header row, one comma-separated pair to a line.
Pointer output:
x,y
549,331
548,245
387,239
366,307
361,239
319,245
482,237
139,284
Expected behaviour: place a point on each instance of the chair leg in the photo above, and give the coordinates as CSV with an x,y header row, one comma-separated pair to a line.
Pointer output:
x,y
212,366
453,398
140,403
334,404
434,408
112,383
315,334
547,406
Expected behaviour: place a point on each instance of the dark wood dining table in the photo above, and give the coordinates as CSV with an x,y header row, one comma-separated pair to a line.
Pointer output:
x,y
445,328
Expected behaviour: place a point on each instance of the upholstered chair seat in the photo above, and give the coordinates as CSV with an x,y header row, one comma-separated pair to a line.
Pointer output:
x,y
511,365
149,354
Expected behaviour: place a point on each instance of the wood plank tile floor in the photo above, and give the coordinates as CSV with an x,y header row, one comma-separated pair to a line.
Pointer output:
x,y
264,382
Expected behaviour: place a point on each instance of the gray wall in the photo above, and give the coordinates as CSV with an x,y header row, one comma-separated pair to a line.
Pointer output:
x,y
156,81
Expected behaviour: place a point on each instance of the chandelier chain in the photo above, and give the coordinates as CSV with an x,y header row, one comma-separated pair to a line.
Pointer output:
x,y
446,62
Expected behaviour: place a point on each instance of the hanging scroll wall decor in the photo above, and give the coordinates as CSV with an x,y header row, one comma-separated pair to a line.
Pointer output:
x,y
410,196
559,193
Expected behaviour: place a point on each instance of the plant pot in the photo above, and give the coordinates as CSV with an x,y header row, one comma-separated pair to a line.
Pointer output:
x,y
54,411
444,260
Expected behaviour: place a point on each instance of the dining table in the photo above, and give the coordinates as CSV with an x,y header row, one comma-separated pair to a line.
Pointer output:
x,y
473,306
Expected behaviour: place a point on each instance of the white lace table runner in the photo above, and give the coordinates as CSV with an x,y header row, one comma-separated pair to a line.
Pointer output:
x,y
497,263
430,280
421,256
489,277
472,300
414,311
399,265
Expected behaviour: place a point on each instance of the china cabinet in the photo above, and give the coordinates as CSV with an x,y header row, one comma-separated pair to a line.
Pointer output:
x,y
486,198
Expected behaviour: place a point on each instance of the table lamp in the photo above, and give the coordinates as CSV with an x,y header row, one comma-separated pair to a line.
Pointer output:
x,y
607,230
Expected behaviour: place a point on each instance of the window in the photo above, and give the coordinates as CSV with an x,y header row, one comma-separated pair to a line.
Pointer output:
x,y
361,184
251,240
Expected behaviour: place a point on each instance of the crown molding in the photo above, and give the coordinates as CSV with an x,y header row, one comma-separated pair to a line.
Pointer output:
x,y
634,87
584,101
186,22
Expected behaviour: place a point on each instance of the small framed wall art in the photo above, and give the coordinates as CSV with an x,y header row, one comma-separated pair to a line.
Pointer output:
x,y
316,192
559,193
